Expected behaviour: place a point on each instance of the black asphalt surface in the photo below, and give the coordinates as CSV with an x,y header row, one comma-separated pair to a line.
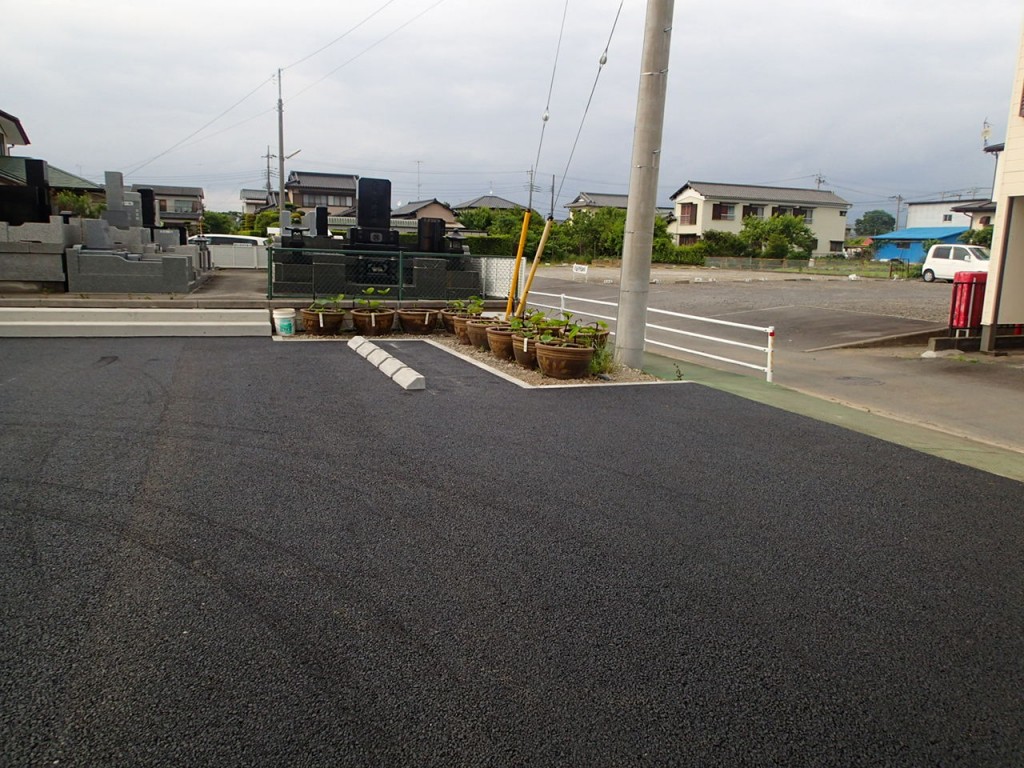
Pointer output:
x,y
228,552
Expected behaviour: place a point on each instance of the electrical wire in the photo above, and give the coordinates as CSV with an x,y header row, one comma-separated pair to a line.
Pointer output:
x,y
198,130
547,107
369,48
600,66
339,38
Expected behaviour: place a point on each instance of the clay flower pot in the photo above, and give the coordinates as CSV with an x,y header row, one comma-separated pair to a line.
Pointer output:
x,y
325,323
419,321
524,349
499,339
460,322
373,322
476,330
564,361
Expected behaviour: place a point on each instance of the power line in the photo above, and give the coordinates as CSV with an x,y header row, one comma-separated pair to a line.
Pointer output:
x,y
340,37
369,48
199,130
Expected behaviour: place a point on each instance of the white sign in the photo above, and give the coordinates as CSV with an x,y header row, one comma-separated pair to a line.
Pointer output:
x,y
579,269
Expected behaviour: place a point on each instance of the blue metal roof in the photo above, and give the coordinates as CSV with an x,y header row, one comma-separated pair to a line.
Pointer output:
x,y
923,233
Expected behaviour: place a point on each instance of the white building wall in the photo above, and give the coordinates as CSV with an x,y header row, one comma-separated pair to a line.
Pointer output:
x,y
934,215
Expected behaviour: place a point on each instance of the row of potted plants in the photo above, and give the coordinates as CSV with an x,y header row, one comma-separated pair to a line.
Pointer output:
x,y
558,346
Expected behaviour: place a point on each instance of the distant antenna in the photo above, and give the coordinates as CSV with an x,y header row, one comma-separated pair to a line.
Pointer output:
x,y
819,180
986,132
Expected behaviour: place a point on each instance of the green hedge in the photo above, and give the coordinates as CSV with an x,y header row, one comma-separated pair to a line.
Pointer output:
x,y
690,255
492,245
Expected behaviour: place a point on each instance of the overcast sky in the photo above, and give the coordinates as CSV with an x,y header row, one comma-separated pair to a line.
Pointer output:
x,y
445,98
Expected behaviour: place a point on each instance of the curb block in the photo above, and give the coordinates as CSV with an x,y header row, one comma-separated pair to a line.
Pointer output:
x,y
407,378
390,366
377,356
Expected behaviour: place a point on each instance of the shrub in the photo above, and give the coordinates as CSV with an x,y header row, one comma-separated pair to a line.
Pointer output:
x,y
492,245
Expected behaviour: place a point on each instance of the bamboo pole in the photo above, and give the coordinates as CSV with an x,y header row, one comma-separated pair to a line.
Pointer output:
x,y
533,267
516,267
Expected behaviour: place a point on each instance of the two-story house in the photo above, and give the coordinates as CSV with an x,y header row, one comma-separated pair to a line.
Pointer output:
x,y
307,190
701,206
591,202
176,205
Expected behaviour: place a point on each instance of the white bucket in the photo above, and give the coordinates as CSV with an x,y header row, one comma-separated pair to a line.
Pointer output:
x,y
284,321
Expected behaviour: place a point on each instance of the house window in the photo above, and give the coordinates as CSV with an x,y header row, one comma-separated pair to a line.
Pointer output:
x,y
985,221
757,211
903,245
688,214
185,206
311,200
723,212
835,246
687,239
162,204
842,213
947,217
807,214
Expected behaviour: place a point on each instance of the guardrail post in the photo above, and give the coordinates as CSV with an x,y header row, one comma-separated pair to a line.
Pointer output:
x,y
771,354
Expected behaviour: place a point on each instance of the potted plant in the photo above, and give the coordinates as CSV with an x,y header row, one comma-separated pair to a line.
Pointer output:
x,y
372,318
560,357
499,339
474,307
325,316
477,330
418,321
525,331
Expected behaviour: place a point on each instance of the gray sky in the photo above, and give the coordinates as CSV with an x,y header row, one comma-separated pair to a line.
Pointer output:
x,y
881,97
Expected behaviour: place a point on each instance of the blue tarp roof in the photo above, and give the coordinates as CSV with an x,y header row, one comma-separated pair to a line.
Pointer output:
x,y
923,233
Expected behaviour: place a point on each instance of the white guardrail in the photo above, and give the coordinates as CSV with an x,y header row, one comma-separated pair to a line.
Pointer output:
x,y
767,348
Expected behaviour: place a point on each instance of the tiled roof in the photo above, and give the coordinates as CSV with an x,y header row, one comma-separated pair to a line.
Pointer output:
x,y
345,181
488,201
13,169
159,189
598,200
751,193
410,208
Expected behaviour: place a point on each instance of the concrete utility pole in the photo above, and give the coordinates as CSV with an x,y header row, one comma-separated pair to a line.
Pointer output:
x,y
643,185
283,218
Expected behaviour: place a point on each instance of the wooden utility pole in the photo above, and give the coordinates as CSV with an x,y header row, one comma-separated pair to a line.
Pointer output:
x,y
643,185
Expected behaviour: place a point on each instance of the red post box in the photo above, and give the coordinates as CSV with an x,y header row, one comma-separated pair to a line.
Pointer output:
x,y
968,299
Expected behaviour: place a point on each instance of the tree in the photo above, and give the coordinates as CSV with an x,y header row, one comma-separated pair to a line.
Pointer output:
x,y
477,218
981,236
217,223
874,223
778,237
263,220
79,204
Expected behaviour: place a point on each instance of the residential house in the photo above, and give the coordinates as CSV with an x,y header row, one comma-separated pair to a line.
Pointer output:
x,y
980,213
258,200
909,244
425,209
307,190
701,206
595,201
940,213
1004,291
488,201
12,169
176,206
12,172
12,134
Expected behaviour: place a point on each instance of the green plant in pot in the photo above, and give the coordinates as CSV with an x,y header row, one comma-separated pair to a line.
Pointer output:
x,y
559,357
473,308
324,316
525,332
371,317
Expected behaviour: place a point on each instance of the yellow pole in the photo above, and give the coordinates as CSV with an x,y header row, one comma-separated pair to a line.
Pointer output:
x,y
515,268
533,267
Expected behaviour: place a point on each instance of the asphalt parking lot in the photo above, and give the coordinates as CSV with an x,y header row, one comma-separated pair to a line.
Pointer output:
x,y
240,552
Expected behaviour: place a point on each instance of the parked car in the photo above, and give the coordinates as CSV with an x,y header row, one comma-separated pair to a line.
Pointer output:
x,y
944,261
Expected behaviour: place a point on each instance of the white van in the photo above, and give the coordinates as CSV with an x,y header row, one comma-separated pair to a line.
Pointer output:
x,y
944,261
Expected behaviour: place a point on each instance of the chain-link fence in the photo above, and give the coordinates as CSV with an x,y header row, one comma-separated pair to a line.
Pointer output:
x,y
407,275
